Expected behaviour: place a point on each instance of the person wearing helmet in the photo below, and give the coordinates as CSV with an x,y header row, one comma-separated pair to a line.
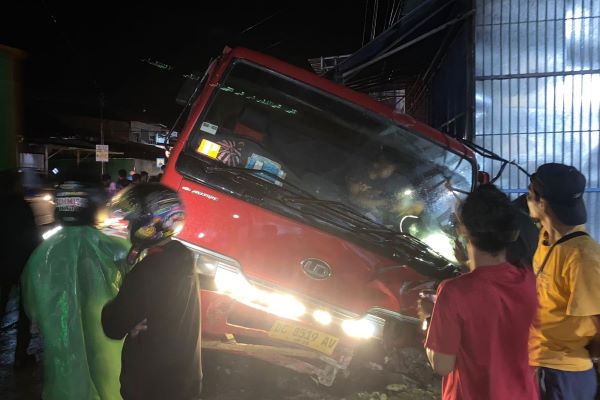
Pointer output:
x,y
157,310
67,281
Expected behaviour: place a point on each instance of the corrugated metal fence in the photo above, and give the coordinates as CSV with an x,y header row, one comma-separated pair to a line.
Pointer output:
x,y
537,89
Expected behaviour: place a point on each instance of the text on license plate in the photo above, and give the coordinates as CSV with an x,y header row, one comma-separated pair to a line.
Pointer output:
x,y
294,333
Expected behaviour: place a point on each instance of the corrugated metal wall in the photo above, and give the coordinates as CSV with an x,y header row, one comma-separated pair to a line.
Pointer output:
x,y
537,89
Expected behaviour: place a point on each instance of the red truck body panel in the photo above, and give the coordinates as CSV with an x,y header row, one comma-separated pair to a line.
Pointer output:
x,y
270,247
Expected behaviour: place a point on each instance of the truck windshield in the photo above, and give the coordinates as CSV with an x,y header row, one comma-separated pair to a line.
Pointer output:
x,y
336,151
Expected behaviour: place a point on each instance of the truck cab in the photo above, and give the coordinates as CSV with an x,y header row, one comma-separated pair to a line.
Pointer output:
x,y
315,214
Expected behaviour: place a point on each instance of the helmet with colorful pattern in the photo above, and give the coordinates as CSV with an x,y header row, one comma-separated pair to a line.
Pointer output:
x,y
153,213
78,202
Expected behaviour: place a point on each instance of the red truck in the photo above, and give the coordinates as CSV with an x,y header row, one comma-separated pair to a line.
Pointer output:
x,y
316,214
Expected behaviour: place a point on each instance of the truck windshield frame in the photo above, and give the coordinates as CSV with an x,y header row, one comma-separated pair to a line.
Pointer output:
x,y
333,149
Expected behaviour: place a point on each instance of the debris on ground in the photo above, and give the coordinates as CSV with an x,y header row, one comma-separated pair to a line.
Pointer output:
x,y
405,376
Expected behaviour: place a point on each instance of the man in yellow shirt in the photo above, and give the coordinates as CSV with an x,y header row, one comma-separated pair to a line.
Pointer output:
x,y
567,267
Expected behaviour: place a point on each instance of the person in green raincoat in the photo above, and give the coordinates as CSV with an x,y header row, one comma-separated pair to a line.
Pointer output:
x,y
67,281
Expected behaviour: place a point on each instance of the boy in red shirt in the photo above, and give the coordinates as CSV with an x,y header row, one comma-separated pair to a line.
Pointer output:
x,y
480,323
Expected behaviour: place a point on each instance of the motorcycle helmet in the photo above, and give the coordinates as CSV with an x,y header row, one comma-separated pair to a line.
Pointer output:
x,y
76,202
152,214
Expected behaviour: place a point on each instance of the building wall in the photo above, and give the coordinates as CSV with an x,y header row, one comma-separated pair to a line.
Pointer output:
x,y
537,89
89,128
142,132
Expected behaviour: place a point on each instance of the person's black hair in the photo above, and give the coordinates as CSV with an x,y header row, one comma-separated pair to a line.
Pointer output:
x,y
489,218
106,177
122,173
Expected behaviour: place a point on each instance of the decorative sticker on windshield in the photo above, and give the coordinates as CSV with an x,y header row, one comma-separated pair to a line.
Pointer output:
x,y
208,148
231,152
209,128
259,100
261,163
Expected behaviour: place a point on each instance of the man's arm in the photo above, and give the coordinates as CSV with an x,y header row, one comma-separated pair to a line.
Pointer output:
x,y
441,363
125,311
443,337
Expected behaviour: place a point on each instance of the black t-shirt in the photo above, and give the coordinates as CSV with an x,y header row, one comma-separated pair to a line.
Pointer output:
x,y
162,362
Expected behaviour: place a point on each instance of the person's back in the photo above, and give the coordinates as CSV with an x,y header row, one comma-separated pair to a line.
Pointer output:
x,y
479,332
66,282
164,360
495,304
158,306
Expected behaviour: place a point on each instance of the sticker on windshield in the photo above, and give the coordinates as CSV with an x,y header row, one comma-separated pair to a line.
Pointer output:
x,y
208,148
261,163
209,128
231,152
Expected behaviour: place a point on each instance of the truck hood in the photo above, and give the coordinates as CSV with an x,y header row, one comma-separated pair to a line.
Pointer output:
x,y
276,249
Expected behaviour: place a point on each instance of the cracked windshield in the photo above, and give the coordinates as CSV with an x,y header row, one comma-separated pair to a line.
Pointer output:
x,y
260,120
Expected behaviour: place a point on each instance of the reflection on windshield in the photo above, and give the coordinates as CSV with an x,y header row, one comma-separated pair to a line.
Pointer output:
x,y
263,121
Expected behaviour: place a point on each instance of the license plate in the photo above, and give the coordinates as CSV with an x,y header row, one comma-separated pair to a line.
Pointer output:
x,y
294,333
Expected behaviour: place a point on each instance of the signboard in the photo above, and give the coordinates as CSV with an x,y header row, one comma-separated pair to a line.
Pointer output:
x,y
102,152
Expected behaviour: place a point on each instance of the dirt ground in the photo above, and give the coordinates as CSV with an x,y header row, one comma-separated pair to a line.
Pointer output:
x,y
231,377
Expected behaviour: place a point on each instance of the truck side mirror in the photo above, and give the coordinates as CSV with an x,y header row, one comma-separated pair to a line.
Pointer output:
x,y
188,89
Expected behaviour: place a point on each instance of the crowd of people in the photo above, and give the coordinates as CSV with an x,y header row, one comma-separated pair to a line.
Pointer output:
x,y
510,332
121,319
112,187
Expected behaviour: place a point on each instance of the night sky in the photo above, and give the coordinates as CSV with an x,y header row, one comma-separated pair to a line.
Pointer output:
x,y
80,50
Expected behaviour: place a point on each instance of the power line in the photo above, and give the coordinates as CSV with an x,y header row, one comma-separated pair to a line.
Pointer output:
x,y
262,21
374,19
365,22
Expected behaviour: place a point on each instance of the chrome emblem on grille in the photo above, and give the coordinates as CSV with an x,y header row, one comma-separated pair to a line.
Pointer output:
x,y
316,269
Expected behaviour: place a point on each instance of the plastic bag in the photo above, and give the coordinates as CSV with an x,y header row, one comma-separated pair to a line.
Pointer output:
x,y
67,281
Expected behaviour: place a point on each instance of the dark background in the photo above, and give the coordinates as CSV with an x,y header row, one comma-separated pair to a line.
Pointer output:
x,y
79,53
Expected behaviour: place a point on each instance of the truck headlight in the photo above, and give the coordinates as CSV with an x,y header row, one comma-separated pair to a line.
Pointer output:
x,y
359,328
206,262
286,306
230,281
323,317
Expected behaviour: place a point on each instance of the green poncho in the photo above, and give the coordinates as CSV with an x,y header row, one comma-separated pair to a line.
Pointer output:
x,y
67,281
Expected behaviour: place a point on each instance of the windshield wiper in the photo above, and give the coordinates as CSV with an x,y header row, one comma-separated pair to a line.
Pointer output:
x,y
301,196
362,223
403,246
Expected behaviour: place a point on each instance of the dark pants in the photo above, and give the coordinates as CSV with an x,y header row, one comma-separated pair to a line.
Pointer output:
x,y
567,385
23,324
